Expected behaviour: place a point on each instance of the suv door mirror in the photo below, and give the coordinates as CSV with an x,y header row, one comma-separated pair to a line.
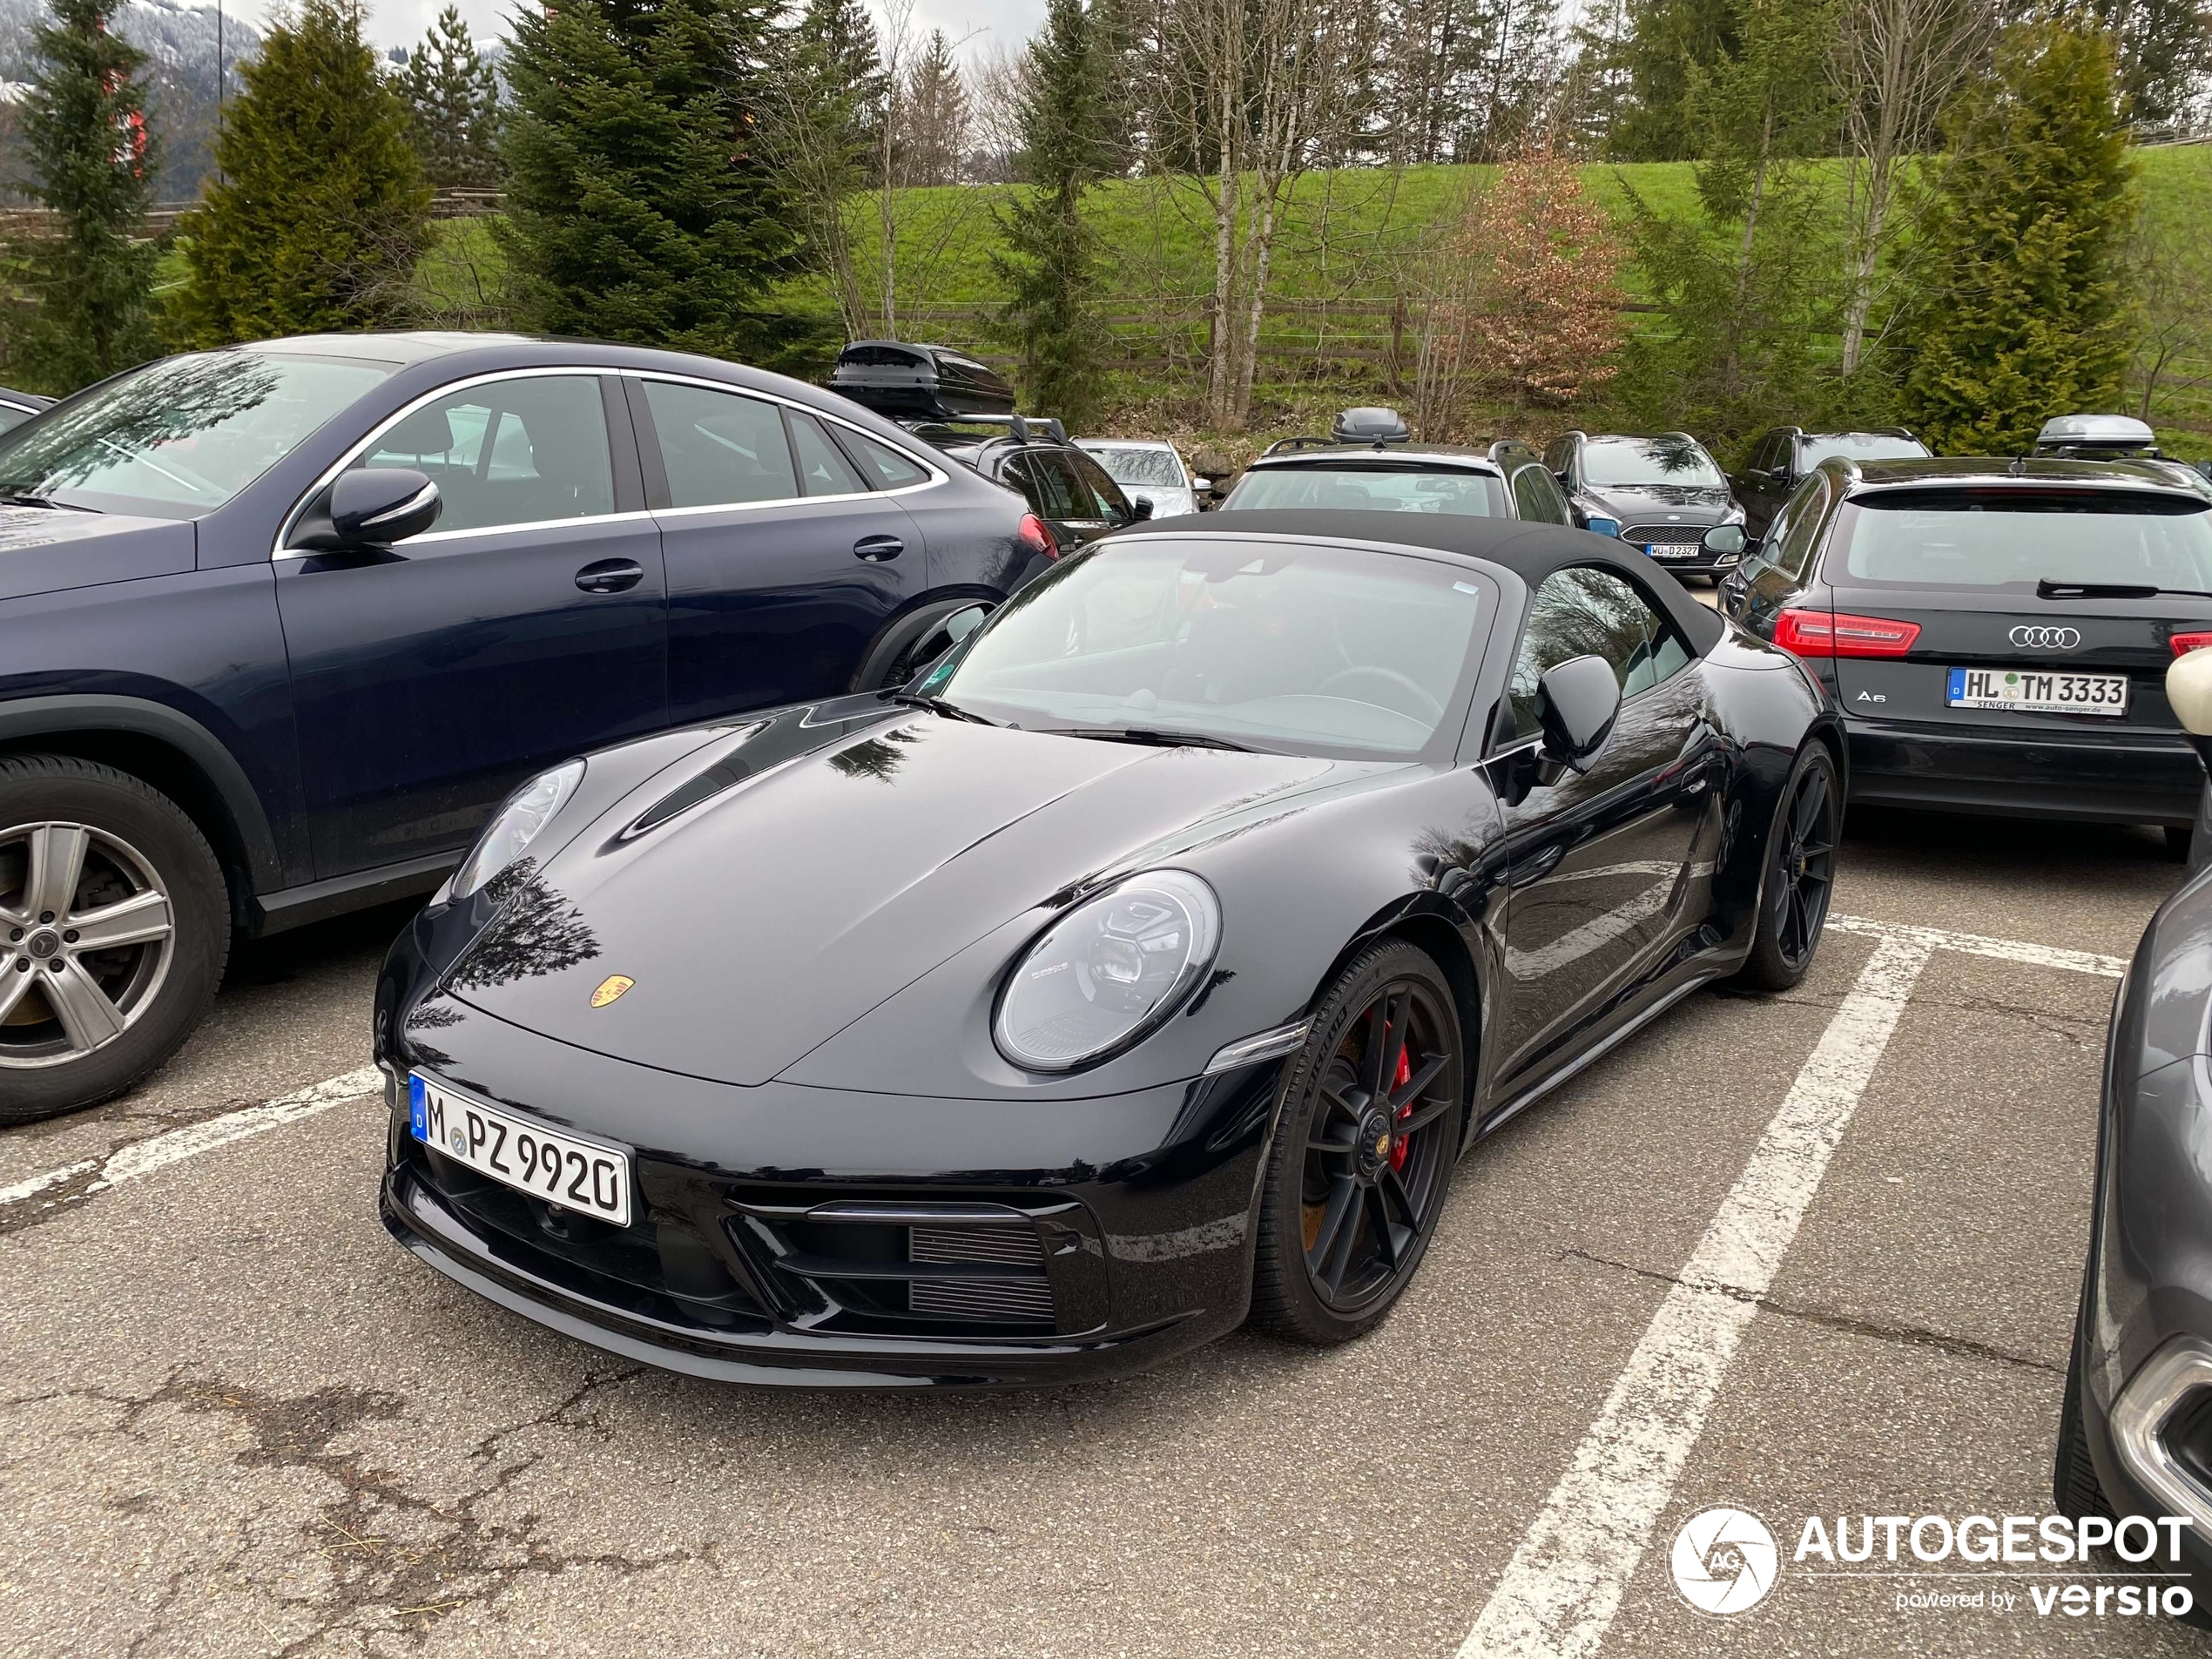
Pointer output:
x,y
1140,509
370,507
1576,703
1724,539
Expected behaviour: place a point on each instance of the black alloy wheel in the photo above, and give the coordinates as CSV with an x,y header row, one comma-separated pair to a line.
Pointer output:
x,y
1800,876
1363,1152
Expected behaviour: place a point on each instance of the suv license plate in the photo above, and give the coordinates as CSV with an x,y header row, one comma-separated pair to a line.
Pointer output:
x,y
1668,550
581,1176
2034,693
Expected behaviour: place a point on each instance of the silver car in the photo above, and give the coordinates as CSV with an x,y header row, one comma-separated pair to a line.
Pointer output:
x,y
1147,469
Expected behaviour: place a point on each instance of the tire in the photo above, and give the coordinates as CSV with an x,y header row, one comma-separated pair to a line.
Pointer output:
x,y
1351,1188
1799,875
110,841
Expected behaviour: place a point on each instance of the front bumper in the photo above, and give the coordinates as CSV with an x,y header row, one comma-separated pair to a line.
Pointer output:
x,y
2087,777
814,1236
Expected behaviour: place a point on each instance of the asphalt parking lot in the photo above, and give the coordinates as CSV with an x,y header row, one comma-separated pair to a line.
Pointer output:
x,y
1810,1256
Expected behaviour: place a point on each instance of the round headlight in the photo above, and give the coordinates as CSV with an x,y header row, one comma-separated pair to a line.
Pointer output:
x,y
515,826
1108,972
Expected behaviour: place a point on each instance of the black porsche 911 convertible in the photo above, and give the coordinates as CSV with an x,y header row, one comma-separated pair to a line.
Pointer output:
x,y
1144,967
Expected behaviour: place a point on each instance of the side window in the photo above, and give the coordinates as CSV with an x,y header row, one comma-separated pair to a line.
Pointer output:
x,y
510,452
823,469
1537,498
885,467
719,448
1582,613
1762,454
1562,450
1791,545
1112,503
1051,489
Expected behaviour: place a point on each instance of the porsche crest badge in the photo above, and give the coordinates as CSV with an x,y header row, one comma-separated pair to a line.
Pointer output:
x,y
610,989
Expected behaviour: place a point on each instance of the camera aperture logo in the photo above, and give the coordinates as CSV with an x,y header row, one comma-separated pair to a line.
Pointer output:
x,y
1725,1560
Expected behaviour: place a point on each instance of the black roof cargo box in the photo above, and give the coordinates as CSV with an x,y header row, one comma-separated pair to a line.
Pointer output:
x,y
919,382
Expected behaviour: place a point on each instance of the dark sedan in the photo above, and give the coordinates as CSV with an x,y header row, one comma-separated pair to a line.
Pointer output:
x,y
2135,1426
280,625
1662,490
1996,632
1784,456
1148,965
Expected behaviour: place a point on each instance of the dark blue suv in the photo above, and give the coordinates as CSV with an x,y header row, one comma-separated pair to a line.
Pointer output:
x,y
281,626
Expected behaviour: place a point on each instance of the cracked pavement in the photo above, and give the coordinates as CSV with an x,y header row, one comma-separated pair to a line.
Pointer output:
x,y
238,1421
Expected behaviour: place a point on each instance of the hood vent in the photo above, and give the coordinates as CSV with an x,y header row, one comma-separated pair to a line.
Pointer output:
x,y
724,775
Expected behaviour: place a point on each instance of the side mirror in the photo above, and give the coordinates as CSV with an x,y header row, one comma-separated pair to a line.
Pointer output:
x,y
1140,510
941,641
371,507
1201,486
1576,703
1724,539
1599,524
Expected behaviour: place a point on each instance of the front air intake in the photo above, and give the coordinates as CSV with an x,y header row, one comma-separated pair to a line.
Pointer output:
x,y
1022,1299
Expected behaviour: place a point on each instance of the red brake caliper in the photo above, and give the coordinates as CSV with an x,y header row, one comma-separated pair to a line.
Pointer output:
x,y
1405,1075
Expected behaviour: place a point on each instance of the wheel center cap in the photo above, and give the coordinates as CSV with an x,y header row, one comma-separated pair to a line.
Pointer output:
x,y
43,944
1374,1142
1796,864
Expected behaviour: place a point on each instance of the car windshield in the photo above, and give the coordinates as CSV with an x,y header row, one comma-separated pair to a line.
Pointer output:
x,y
2014,538
1370,490
1131,464
1861,446
1610,462
1265,645
181,437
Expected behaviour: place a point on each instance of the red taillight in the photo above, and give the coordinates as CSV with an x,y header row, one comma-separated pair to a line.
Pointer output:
x,y
1837,633
1034,535
2184,644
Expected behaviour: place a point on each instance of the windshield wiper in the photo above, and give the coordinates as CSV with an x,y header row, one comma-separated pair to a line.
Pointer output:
x,y
2047,588
25,498
937,705
1155,738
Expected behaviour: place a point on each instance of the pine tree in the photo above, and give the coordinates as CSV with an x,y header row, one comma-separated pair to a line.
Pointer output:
x,y
1050,261
834,66
453,106
320,215
933,140
2026,313
1745,289
1669,44
640,206
91,163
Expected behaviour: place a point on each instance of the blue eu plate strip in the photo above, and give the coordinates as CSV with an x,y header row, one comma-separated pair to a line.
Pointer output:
x,y
417,1110
1958,682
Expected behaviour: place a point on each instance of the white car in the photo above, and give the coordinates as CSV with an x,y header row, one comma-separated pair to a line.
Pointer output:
x,y
1148,469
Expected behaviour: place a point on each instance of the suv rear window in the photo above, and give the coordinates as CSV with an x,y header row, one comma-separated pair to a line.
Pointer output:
x,y
1371,489
2014,538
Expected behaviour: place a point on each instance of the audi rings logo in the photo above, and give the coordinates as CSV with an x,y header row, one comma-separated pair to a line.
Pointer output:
x,y
2029,638
1724,1561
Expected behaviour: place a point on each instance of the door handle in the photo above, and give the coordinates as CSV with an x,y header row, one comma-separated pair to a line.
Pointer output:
x,y
610,576
875,550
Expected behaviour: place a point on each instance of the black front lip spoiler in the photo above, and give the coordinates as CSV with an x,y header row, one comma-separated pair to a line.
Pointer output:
x,y
779,1358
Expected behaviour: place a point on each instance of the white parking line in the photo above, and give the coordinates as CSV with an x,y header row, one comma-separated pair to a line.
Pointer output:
x,y
1558,1594
136,1158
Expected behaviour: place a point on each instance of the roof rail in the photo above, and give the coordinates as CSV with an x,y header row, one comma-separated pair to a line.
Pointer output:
x,y
1291,446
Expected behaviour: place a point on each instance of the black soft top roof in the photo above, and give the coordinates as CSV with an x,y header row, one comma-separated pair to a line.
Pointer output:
x,y
1530,551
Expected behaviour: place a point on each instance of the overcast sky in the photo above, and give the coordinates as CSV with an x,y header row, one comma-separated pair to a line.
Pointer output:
x,y
401,22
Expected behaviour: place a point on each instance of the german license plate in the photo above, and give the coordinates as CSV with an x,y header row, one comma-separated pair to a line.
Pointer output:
x,y
578,1175
2037,692
1670,549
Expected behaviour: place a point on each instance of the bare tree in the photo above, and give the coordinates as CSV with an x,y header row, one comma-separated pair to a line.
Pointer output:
x,y
2173,285
1266,88
995,76
1896,64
